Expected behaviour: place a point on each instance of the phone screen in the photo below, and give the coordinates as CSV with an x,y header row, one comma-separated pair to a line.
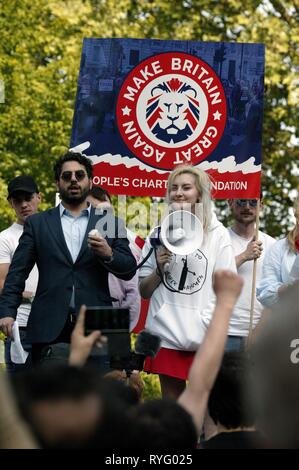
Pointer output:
x,y
107,319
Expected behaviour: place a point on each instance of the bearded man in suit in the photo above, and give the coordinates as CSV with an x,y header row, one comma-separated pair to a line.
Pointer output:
x,y
73,266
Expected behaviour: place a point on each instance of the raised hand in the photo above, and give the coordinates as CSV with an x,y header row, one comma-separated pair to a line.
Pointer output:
x,y
81,345
227,286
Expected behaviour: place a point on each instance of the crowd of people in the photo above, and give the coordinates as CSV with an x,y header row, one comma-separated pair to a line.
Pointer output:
x,y
60,388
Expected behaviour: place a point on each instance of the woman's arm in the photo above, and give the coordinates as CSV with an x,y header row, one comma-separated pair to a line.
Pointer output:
x,y
148,284
268,289
207,360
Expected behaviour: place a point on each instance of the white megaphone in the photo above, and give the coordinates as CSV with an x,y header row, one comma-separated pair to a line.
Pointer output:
x,y
181,232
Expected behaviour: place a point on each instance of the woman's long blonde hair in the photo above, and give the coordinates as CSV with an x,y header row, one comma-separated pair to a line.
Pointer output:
x,y
293,235
203,186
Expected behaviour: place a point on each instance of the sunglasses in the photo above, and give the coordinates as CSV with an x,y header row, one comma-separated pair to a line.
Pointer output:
x,y
244,202
67,175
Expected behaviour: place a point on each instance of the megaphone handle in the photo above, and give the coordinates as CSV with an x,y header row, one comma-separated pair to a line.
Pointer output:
x,y
166,266
183,275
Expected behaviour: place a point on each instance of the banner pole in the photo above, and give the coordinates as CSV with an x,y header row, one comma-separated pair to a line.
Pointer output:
x,y
253,286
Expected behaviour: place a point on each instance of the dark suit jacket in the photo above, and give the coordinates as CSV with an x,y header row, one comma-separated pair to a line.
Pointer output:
x,y
43,243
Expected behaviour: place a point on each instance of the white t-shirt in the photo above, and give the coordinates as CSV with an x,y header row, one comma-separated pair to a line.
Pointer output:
x,y
180,318
9,240
239,323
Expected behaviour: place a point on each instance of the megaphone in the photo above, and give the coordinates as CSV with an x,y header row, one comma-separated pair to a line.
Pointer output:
x,y
181,232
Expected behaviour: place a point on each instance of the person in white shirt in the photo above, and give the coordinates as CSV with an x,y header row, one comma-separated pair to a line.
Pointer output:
x,y
246,248
277,275
180,312
24,198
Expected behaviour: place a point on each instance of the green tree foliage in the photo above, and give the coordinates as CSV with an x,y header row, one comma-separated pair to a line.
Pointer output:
x,y
39,67
151,386
39,63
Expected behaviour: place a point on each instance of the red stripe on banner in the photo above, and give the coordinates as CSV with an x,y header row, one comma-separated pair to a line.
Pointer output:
x,y
191,119
193,100
154,117
235,185
134,181
151,100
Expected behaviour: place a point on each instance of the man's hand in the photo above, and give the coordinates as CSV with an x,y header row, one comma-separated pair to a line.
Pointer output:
x,y
6,326
99,246
227,286
81,345
254,249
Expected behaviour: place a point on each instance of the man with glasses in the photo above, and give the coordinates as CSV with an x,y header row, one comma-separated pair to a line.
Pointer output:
x,y
247,248
24,198
73,266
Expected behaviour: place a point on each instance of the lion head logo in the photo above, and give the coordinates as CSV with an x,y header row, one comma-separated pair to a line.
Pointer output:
x,y
172,112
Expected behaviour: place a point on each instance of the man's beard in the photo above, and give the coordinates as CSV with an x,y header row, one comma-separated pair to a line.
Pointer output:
x,y
245,220
73,200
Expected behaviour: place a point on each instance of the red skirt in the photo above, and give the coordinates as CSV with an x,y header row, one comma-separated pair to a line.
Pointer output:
x,y
170,362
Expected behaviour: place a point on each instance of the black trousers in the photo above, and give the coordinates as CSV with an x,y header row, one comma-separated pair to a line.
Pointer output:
x,y
58,351
43,351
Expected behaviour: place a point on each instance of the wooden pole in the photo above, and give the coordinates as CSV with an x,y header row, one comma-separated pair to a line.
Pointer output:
x,y
253,286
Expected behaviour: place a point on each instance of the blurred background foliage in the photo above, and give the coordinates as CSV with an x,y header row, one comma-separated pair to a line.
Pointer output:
x,y
40,53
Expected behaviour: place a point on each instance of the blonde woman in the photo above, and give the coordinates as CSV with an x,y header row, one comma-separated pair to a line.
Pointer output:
x,y
278,264
180,314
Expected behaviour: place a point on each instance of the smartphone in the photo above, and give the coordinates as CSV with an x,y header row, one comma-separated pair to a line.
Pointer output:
x,y
107,319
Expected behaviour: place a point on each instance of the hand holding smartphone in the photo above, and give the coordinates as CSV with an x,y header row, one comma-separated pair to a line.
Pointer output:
x,y
113,322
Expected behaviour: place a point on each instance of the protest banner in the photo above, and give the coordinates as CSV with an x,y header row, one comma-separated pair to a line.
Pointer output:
x,y
146,106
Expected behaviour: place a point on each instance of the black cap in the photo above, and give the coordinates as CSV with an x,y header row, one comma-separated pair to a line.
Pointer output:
x,y
23,183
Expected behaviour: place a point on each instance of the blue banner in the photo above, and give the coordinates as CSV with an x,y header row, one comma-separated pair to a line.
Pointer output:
x,y
145,106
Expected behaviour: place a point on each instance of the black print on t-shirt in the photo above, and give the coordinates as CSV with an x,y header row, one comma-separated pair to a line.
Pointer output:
x,y
197,266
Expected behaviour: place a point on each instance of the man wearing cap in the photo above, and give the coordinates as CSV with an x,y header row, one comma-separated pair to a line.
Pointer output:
x,y
247,247
24,198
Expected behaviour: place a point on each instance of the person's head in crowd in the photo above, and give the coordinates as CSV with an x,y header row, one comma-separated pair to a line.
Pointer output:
x,y
227,405
133,383
163,424
244,210
99,198
73,176
69,407
276,372
114,382
14,432
293,235
23,196
186,187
